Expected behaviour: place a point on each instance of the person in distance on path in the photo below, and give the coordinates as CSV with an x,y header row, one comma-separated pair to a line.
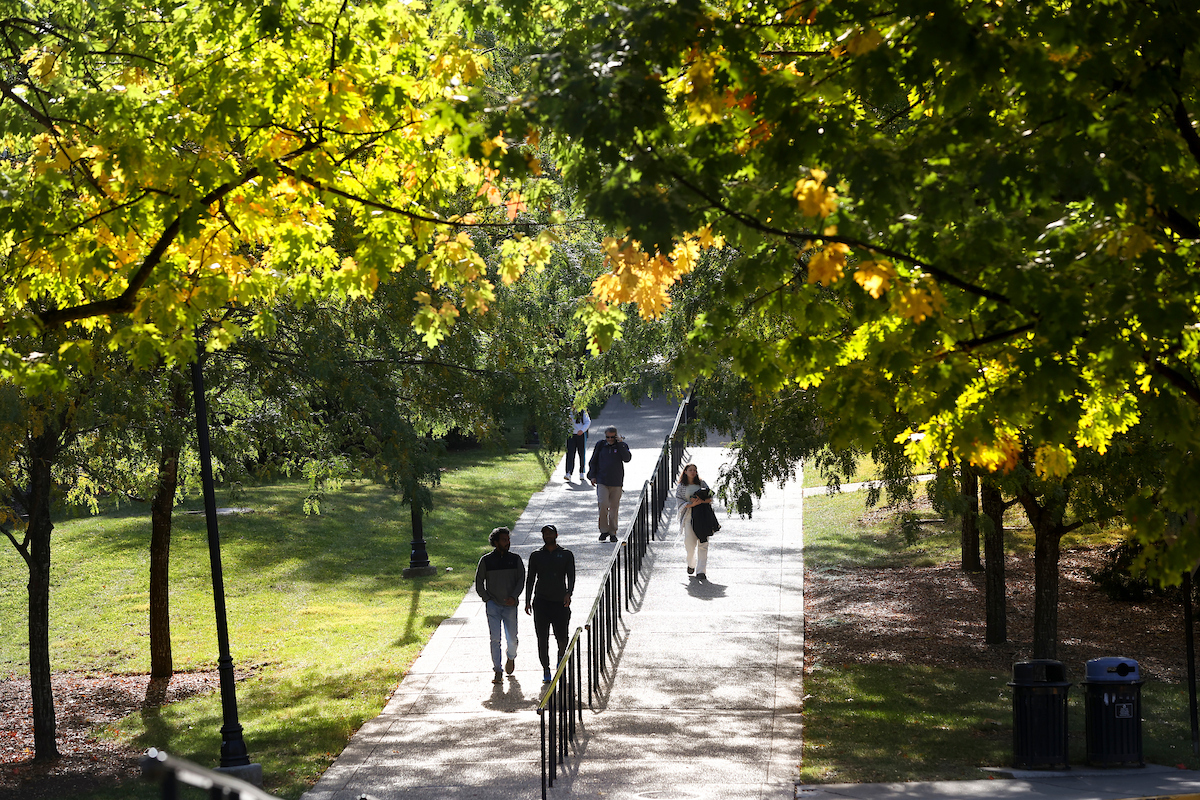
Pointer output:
x,y
498,582
697,550
548,592
606,471
577,442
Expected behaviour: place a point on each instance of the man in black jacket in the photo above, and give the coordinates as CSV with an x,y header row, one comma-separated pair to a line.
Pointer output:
x,y
606,471
548,592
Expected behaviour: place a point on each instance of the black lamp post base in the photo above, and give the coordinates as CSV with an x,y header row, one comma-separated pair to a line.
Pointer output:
x,y
250,773
419,572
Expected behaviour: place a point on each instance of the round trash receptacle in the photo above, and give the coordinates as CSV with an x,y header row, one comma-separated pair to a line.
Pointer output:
x,y
1112,703
1040,714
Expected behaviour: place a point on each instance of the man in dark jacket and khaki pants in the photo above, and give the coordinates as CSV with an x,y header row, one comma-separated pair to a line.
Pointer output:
x,y
606,471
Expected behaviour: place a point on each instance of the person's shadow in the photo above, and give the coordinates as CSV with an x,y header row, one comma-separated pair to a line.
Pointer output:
x,y
508,697
705,589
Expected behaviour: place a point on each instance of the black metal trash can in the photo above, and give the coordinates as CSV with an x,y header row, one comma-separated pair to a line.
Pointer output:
x,y
1040,714
1112,703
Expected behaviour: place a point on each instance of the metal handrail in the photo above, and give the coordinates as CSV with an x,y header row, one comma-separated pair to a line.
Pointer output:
x,y
562,701
171,772
558,710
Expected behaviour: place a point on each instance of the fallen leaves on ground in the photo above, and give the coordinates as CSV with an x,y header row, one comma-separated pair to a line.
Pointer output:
x,y
935,616
84,703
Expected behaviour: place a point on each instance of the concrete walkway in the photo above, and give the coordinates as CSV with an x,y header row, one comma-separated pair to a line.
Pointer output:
x,y
448,731
706,697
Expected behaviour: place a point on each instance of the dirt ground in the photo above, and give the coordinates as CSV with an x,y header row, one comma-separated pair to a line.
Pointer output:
x,y
84,703
935,616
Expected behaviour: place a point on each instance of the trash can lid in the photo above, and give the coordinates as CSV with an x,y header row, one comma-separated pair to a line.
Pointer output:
x,y
1112,669
1039,670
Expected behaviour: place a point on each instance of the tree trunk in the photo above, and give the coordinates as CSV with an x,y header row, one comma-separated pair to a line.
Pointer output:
x,y
161,508
42,451
995,598
1046,518
1045,592
970,521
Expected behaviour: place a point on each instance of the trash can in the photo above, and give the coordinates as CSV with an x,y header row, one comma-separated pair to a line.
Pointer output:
x,y
1112,704
1040,714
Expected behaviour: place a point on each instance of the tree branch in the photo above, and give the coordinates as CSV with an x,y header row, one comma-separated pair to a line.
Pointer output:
x,y
895,255
368,203
971,344
806,53
1186,129
1176,379
21,547
127,300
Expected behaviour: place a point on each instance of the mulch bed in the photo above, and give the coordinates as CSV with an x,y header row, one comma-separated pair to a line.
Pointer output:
x,y
84,703
935,616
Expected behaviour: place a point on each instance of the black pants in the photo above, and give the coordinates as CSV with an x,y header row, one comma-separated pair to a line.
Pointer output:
x,y
547,613
576,443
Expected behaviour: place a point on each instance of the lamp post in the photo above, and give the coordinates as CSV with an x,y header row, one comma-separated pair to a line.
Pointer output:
x,y
234,757
418,560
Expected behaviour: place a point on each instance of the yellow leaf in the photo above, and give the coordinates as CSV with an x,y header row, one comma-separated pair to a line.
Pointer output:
x,y
999,456
829,265
875,277
916,303
1053,461
864,41
816,199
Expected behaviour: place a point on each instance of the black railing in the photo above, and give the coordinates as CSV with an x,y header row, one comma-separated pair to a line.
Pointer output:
x,y
559,710
562,702
174,772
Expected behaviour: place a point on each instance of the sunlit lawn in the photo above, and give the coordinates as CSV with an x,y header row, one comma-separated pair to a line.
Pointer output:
x,y
318,609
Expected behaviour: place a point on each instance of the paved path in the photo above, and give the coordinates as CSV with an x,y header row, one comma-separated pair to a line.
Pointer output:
x,y
448,731
707,691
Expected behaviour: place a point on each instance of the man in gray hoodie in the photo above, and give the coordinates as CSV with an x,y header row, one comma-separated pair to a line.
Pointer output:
x,y
499,579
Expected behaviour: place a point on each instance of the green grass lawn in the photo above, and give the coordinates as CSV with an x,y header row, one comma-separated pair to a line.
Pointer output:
x,y
867,471
901,722
318,610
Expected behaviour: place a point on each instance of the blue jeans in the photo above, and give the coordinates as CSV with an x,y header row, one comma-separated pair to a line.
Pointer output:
x,y
497,615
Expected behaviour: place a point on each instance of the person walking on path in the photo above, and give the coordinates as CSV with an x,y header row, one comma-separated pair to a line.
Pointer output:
x,y
548,592
577,443
697,550
606,471
498,582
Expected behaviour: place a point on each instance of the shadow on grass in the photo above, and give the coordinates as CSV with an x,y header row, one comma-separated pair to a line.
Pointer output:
x,y
893,722
363,532
295,725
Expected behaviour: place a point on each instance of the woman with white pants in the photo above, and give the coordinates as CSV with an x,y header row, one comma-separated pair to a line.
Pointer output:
x,y
697,551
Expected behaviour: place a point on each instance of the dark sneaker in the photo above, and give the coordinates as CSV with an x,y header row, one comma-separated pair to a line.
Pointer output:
x,y
509,666
499,678
701,576
691,570
546,676
604,537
